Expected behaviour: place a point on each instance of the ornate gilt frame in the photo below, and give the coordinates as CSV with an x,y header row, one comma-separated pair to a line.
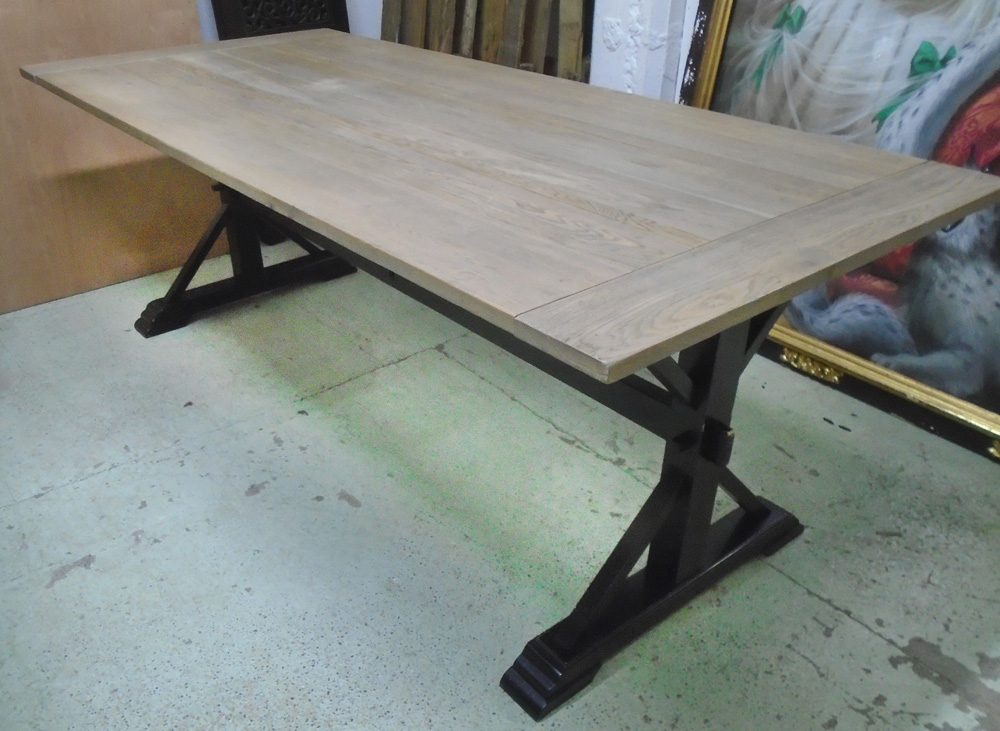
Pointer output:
x,y
819,359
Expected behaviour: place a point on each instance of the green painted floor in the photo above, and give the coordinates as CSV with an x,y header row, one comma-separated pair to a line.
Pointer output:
x,y
332,508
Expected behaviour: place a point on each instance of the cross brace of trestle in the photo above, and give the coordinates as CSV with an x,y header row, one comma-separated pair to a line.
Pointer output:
x,y
246,227
687,551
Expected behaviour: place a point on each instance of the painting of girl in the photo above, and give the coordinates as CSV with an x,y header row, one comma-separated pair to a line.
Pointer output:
x,y
919,77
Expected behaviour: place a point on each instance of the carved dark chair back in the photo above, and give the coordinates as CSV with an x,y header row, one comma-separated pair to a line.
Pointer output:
x,y
242,18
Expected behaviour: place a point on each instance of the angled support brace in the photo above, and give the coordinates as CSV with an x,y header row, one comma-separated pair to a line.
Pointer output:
x,y
688,552
245,230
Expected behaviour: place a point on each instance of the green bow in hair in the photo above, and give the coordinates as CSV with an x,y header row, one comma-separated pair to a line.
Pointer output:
x,y
927,60
925,63
790,20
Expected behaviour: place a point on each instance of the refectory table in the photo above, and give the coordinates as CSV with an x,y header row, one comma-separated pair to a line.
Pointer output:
x,y
592,233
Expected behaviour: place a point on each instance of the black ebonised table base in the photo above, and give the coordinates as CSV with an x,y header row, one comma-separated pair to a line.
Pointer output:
x,y
688,402
245,232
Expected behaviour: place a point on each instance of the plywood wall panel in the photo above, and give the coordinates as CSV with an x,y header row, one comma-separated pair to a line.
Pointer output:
x,y
83,205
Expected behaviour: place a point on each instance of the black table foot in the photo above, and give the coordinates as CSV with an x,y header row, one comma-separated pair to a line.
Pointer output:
x,y
688,551
540,680
546,674
247,231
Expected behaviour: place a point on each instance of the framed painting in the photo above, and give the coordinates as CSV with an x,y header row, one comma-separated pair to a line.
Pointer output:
x,y
921,326
700,65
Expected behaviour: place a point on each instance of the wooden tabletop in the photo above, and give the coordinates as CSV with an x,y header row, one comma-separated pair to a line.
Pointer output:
x,y
606,229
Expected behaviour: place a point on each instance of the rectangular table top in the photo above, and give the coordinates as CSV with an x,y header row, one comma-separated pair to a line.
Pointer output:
x,y
606,229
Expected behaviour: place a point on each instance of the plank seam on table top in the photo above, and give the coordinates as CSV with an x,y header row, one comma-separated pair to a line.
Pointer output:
x,y
367,44
384,139
556,246
425,279
535,82
322,35
640,354
366,47
747,230
542,119
173,151
578,200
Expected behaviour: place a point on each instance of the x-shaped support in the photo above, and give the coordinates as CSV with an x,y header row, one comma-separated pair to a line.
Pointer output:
x,y
246,225
688,552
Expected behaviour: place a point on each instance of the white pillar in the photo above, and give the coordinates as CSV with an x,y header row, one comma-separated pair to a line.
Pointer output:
x,y
365,17
636,45
207,19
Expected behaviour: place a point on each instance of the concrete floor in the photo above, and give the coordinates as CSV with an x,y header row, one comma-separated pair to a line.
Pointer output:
x,y
334,509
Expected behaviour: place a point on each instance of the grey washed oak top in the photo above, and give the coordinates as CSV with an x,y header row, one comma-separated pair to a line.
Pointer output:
x,y
606,229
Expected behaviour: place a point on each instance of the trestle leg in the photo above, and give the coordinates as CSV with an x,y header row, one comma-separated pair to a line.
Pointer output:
x,y
687,551
245,230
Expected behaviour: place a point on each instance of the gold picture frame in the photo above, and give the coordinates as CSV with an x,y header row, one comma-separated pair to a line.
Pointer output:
x,y
979,427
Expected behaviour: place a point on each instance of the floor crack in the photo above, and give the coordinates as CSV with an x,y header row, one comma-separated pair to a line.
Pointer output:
x,y
566,436
353,378
830,603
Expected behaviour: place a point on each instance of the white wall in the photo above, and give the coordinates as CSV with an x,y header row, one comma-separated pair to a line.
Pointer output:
x,y
365,17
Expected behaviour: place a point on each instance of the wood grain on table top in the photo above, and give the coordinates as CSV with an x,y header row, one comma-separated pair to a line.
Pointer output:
x,y
606,229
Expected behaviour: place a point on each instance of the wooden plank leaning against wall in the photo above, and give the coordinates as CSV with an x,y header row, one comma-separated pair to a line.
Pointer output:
x,y
546,36
83,205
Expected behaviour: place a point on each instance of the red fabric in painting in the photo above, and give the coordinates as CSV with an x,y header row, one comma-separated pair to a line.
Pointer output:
x,y
973,136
